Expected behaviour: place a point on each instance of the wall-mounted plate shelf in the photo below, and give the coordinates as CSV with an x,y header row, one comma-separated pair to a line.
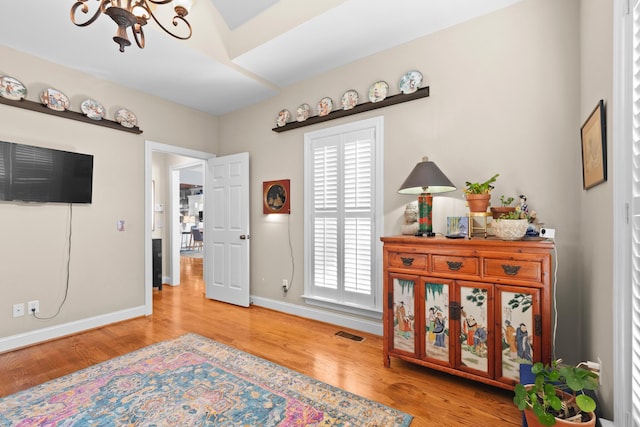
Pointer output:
x,y
360,108
35,106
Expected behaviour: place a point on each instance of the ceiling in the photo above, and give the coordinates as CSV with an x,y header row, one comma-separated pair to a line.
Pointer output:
x,y
241,52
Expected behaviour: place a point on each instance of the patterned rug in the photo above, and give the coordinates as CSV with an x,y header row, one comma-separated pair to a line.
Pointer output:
x,y
192,381
191,254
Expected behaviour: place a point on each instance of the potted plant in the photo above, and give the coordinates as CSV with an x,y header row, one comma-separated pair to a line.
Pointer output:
x,y
478,194
504,208
512,225
557,396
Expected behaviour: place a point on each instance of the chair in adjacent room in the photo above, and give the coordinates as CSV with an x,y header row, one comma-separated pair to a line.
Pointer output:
x,y
197,238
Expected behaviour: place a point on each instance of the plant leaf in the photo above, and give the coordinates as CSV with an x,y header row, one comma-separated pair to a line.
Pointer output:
x,y
585,403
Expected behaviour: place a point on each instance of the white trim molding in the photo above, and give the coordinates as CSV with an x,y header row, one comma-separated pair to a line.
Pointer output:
x,y
14,342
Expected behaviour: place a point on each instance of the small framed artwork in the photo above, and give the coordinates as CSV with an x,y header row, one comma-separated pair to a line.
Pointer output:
x,y
594,148
276,197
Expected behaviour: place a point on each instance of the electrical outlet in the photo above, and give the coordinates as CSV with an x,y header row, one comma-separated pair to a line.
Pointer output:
x,y
18,310
285,283
33,307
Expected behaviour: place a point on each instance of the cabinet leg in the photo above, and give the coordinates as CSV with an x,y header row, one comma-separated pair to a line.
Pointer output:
x,y
386,360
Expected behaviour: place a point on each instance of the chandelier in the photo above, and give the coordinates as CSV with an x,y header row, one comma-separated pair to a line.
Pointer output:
x,y
134,14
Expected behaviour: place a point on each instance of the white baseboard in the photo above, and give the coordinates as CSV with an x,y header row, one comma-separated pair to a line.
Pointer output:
x,y
364,325
32,337
606,423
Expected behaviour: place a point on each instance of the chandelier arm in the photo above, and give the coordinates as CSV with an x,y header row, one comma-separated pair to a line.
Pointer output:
x,y
175,22
85,9
138,35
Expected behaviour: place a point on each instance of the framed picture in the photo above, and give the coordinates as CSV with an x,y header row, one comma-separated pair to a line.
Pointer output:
x,y
594,148
275,197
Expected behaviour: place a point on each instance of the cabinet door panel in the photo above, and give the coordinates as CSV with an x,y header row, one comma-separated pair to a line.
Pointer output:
x,y
519,311
437,338
476,351
404,308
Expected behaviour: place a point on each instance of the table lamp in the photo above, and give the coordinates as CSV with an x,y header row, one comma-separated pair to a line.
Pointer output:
x,y
426,179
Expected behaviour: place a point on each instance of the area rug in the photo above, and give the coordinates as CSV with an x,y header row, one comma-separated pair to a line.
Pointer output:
x,y
191,254
192,381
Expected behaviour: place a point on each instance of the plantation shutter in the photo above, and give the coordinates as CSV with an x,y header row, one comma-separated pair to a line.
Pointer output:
x,y
635,223
341,211
325,213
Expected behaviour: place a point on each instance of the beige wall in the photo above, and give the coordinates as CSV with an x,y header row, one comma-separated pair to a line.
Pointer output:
x,y
107,266
596,204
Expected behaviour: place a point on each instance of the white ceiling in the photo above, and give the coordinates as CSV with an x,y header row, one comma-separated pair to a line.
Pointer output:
x,y
241,52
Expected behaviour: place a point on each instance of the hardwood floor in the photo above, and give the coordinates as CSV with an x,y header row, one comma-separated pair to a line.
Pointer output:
x,y
306,346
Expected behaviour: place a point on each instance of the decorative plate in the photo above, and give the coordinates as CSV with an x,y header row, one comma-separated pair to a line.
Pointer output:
x,y
325,106
410,82
54,99
302,113
126,118
378,91
283,118
349,99
92,109
11,88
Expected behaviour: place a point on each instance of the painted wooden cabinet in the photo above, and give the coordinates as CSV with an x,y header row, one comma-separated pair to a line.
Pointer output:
x,y
475,308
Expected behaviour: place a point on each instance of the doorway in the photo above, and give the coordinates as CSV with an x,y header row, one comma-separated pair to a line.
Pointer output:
x,y
172,231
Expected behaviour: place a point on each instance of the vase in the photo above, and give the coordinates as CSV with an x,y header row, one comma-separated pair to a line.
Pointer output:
x,y
478,202
532,421
510,229
498,211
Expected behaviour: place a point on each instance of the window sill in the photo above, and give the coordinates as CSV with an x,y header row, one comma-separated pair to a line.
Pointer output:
x,y
359,310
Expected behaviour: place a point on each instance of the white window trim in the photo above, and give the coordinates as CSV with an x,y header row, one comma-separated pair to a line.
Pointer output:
x,y
622,192
375,311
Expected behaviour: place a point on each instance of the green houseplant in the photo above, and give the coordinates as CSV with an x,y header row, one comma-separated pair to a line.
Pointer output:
x,y
478,194
504,208
557,395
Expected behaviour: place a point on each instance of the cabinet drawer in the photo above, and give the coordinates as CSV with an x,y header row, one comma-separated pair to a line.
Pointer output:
x,y
407,260
513,269
456,265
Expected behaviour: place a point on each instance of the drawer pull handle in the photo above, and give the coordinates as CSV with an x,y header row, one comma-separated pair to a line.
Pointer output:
x,y
454,265
406,261
510,270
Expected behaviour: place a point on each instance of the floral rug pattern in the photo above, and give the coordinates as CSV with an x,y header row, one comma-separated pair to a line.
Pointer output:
x,y
192,381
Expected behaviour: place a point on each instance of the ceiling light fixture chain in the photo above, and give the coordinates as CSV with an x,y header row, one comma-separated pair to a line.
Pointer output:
x,y
133,14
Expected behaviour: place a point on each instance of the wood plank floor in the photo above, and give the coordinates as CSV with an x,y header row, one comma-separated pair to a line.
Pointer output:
x,y
306,346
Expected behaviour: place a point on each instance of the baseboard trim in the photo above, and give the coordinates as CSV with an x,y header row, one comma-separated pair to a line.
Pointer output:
x,y
363,325
14,342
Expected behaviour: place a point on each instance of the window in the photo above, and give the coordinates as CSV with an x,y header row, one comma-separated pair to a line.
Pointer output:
x,y
343,212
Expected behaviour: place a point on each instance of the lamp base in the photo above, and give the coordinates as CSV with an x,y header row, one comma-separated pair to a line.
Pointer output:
x,y
425,234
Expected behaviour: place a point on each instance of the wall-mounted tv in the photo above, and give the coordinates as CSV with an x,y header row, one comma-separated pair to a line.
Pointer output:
x,y
37,174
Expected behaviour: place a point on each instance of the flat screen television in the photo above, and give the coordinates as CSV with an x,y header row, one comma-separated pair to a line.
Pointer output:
x,y
37,174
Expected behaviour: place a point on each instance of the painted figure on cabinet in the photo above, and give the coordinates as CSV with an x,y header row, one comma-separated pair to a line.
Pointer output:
x,y
403,315
473,341
436,303
517,343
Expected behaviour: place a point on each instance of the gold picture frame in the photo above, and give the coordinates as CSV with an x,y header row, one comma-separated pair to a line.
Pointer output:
x,y
593,136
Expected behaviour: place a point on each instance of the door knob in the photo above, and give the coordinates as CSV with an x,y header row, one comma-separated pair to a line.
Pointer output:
x,y
243,237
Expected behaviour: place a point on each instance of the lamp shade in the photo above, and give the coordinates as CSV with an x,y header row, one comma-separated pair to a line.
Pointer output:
x,y
426,177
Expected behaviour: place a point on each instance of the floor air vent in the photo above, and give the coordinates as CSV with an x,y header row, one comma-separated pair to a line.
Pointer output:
x,y
349,336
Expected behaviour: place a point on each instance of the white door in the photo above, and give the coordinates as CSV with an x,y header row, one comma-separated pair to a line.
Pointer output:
x,y
226,234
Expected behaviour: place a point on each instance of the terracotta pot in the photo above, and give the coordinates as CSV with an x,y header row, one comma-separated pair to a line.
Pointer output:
x,y
532,421
478,202
497,211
